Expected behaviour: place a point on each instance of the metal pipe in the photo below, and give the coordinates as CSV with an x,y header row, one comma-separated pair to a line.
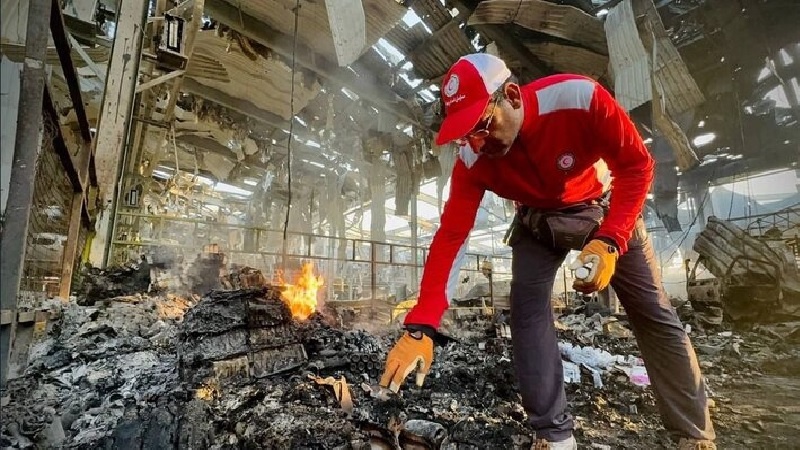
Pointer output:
x,y
23,170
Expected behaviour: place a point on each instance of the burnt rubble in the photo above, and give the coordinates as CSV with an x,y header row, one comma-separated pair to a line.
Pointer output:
x,y
234,370
101,284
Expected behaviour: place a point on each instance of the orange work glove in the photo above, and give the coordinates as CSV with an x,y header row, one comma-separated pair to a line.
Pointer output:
x,y
414,351
600,258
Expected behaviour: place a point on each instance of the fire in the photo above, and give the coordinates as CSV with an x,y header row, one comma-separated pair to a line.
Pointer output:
x,y
302,295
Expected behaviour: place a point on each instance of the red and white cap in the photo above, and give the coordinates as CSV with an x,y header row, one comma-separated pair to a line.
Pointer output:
x,y
467,89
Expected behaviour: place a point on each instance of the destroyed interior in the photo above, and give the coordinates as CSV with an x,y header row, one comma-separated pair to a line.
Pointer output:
x,y
246,225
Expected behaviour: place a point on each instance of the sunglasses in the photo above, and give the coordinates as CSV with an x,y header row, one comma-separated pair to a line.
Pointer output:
x,y
481,131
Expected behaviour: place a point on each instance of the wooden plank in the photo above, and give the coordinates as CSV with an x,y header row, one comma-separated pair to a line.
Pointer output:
x,y
16,53
98,71
71,248
159,80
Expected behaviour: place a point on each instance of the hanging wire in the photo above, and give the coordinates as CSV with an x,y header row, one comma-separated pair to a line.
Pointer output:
x,y
291,128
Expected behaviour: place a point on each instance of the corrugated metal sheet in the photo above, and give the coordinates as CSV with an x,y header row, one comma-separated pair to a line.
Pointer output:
x,y
442,49
570,59
685,157
406,39
566,22
681,92
265,83
628,59
637,80
313,28
432,12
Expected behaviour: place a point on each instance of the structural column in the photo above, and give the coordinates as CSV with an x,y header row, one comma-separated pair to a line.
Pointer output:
x,y
23,171
112,130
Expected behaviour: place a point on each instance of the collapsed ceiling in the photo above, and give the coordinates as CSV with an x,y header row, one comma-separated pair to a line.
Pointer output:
x,y
255,86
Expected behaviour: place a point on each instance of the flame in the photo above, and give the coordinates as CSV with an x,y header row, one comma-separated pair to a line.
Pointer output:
x,y
301,296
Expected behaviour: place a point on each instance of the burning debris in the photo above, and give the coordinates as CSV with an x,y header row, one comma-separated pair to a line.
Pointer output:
x,y
301,296
239,369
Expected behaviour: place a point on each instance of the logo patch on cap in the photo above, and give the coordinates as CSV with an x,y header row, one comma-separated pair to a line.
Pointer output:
x,y
451,87
566,161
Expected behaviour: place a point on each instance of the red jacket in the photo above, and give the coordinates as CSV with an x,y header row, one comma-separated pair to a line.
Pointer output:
x,y
570,123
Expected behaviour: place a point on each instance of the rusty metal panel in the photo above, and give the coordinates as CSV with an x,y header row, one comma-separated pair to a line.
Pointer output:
x,y
628,59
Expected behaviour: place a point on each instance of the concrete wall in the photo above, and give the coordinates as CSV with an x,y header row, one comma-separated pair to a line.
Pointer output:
x,y
9,103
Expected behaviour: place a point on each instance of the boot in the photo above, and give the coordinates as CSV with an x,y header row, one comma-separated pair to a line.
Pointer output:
x,y
567,444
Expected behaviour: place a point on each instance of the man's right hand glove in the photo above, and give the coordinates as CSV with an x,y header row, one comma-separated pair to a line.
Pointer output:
x,y
414,351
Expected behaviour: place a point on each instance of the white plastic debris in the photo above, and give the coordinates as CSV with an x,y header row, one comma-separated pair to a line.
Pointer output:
x,y
596,378
572,373
590,356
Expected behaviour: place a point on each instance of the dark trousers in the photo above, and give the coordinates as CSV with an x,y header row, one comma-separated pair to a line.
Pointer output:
x,y
667,353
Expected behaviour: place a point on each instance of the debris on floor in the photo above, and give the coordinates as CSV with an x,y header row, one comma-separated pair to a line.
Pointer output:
x,y
236,370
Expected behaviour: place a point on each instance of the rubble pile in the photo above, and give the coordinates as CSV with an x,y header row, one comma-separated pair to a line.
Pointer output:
x,y
101,284
756,279
104,374
235,370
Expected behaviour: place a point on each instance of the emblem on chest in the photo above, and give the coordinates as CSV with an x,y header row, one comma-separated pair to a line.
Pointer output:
x,y
565,161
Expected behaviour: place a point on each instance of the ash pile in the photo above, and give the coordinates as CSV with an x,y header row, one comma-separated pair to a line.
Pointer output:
x,y
235,370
